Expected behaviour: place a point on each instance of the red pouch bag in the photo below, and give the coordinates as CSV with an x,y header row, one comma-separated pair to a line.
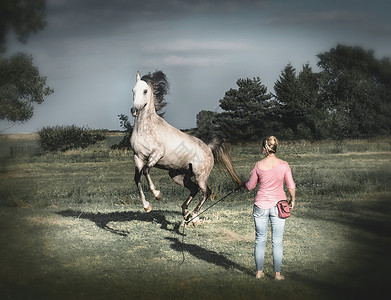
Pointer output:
x,y
283,209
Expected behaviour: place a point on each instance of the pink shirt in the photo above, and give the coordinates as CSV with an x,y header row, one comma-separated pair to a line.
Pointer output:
x,y
271,184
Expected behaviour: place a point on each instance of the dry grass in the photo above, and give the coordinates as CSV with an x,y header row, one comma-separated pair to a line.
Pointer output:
x,y
18,136
74,228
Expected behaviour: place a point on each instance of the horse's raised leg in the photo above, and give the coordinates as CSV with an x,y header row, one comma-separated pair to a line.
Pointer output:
x,y
183,178
152,187
137,178
153,158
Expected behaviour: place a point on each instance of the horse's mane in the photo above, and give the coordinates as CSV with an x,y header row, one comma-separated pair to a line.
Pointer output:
x,y
160,86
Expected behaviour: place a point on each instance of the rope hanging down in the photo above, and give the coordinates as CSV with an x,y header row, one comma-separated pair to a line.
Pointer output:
x,y
187,222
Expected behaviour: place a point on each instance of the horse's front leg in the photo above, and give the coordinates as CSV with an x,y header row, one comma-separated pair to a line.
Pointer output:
x,y
152,161
152,187
137,178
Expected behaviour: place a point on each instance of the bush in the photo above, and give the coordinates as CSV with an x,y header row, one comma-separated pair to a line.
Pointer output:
x,y
62,138
127,126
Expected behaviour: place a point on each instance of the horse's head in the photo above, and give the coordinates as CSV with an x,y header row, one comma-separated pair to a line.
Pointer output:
x,y
142,94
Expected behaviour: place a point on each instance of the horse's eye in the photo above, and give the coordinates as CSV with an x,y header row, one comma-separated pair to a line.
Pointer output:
x,y
145,91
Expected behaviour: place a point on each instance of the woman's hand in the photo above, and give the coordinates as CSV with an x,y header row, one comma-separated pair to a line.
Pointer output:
x,y
292,195
242,185
292,203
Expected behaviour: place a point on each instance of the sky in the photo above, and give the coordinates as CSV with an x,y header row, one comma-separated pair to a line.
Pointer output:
x,y
91,50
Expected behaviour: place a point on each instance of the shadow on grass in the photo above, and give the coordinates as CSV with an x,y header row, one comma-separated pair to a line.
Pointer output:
x,y
365,262
209,256
103,219
158,216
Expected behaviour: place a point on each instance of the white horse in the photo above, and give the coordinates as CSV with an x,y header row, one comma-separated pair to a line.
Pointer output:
x,y
158,144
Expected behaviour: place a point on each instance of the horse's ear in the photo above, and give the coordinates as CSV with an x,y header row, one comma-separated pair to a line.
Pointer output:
x,y
138,77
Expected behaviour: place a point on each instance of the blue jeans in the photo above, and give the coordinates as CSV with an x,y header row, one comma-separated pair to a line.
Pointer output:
x,y
261,220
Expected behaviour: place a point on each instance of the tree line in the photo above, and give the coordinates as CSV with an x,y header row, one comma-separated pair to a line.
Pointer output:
x,y
349,97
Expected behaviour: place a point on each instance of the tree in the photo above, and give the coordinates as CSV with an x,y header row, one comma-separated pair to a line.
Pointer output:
x,y
383,71
206,129
356,90
246,111
313,112
21,85
127,126
23,17
350,97
301,110
287,94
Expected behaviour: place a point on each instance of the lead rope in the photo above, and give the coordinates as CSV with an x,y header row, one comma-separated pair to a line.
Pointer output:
x,y
187,222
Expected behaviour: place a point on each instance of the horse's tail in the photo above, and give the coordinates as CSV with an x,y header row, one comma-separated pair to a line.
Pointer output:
x,y
220,152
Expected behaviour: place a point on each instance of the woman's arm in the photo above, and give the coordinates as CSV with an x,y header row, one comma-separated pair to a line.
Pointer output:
x,y
290,184
292,195
253,179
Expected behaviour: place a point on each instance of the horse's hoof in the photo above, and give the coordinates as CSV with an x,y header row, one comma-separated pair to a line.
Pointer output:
x,y
148,208
159,196
196,221
186,216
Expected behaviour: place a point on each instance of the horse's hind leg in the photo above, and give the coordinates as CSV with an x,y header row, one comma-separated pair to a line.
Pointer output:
x,y
193,188
205,194
183,178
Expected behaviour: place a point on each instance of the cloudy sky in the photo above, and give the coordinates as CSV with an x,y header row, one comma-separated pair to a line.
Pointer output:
x,y
91,50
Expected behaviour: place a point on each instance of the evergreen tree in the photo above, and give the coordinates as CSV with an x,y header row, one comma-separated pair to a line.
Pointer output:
x,y
205,125
287,91
245,111
301,111
312,111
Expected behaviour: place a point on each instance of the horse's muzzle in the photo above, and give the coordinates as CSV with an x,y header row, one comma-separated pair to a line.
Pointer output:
x,y
135,111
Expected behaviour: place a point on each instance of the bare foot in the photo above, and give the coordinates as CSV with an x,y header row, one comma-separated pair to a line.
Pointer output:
x,y
259,274
279,276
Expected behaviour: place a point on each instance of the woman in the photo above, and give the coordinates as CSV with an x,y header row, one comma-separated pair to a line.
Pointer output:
x,y
270,173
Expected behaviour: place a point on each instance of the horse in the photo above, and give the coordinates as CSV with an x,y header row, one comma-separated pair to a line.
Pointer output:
x,y
156,143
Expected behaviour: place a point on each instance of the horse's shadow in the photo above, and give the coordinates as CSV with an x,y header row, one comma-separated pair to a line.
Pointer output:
x,y
103,219
158,216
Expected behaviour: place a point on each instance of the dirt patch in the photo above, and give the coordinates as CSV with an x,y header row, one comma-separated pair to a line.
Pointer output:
x,y
229,236
49,221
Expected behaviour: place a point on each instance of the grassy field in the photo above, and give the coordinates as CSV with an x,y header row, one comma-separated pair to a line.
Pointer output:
x,y
72,227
